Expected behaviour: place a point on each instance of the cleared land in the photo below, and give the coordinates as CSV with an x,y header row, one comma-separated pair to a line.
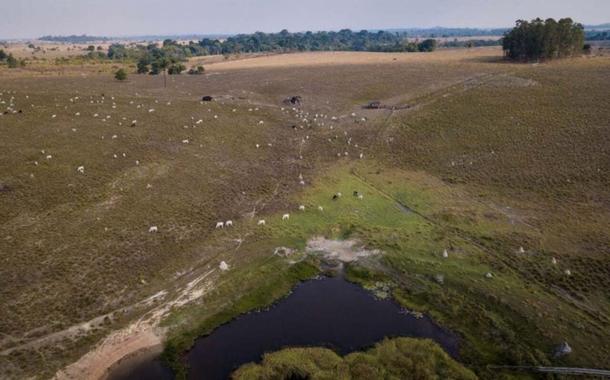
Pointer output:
x,y
485,158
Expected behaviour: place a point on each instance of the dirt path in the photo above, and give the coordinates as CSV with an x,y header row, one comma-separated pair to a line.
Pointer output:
x,y
143,334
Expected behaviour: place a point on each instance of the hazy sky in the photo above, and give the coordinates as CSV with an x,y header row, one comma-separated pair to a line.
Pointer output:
x,y
34,18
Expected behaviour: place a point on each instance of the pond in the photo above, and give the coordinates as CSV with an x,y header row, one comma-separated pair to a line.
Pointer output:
x,y
329,312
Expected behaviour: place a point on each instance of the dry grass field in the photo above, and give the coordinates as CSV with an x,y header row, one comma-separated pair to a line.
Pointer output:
x,y
489,156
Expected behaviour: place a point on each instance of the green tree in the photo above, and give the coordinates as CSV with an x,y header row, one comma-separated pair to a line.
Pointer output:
x,y
3,55
162,65
547,39
427,45
12,62
176,68
143,65
120,75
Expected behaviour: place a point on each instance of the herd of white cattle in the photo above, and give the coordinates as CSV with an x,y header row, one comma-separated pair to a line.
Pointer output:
x,y
304,118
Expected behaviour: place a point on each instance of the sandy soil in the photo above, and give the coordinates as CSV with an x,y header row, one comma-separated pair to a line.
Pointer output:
x,y
140,336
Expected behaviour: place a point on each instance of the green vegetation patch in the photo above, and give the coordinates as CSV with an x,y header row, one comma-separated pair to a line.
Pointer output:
x,y
401,358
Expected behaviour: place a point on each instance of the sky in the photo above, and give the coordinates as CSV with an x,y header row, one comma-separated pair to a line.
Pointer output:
x,y
35,18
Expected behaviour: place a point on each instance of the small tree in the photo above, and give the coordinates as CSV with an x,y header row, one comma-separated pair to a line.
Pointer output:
x,y
163,63
90,48
143,66
12,62
3,55
427,45
176,69
120,75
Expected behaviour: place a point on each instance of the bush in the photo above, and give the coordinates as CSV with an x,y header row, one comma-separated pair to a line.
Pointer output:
x,y
196,71
120,75
176,69
12,62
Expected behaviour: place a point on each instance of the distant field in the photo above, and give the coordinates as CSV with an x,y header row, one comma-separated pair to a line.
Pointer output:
x,y
492,156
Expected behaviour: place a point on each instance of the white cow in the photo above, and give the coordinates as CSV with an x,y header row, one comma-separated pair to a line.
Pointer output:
x,y
261,222
220,225
445,254
229,223
223,266
320,208
81,169
301,208
285,216
153,229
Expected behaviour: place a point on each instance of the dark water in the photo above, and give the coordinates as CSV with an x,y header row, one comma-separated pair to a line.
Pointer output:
x,y
329,312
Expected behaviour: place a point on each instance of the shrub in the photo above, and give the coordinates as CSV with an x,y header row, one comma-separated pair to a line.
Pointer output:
x,y
176,69
196,71
120,75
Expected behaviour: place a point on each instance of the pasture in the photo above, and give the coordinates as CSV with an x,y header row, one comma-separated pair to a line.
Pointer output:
x,y
503,166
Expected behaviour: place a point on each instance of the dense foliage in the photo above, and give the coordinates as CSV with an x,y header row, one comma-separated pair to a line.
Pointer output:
x,y
540,39
343,40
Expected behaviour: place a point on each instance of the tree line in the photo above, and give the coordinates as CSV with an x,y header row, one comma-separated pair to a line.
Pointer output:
x,y
169,57
548,39
343,40
284,41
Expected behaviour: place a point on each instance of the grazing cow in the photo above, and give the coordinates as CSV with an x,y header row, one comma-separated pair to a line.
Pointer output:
x,y
301,208
261,222
445,254
285,216
356,193
320,208
554,261
223,266
568,272
360,196
81,169
153,229
220,225
207,98
489,275
229,223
